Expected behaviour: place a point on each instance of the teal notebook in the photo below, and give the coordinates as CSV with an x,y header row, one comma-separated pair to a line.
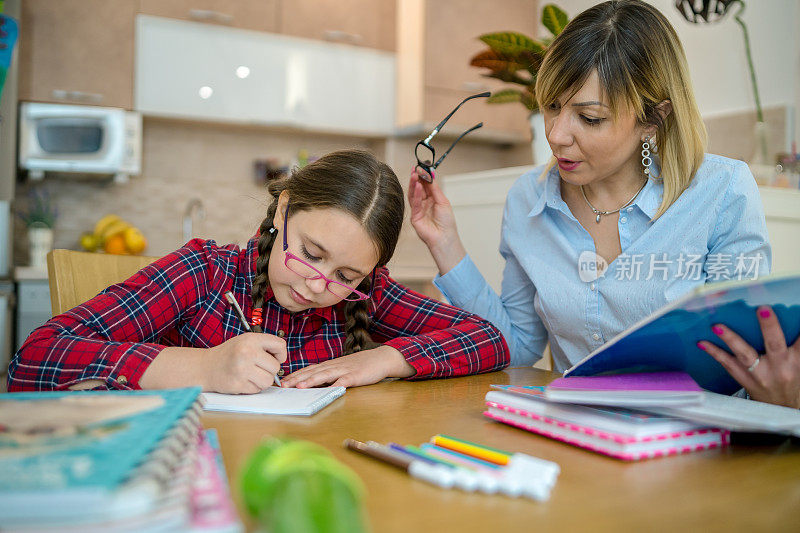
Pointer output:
x,y
667,339
85,455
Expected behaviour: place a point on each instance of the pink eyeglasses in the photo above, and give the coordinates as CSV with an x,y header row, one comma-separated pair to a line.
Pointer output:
x,y
301,268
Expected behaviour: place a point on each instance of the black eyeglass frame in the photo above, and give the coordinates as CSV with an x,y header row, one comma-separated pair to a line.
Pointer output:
x,y
427,167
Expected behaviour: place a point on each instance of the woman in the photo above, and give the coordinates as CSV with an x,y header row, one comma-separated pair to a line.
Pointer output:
x,y
609,231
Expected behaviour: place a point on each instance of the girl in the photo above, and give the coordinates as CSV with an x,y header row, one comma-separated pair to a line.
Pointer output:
x,y
609,232
313,281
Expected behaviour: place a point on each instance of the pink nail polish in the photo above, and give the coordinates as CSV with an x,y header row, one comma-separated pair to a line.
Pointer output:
x,y
701,346
718,330
764,313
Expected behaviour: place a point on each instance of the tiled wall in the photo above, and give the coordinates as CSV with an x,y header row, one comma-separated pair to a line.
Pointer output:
x,y
732,135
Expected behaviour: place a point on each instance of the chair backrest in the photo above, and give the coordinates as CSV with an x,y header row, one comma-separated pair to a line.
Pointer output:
x,y
76,277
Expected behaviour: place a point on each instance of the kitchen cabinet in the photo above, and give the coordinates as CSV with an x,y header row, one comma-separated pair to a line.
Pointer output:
x,y
77,51
211,72
260,15
436,40
369,23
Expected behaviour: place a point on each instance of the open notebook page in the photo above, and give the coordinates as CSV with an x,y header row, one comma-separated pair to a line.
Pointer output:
x,y
274,401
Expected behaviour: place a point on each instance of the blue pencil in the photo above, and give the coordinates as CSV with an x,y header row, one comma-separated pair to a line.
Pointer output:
x,y
403,449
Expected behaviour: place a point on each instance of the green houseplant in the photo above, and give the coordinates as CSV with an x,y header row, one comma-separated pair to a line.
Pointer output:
x,y
515,59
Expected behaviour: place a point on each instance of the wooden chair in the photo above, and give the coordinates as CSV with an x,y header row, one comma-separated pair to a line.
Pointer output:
x,y
76,277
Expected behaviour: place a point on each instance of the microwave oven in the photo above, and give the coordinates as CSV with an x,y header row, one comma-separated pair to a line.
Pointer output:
x,y
98,141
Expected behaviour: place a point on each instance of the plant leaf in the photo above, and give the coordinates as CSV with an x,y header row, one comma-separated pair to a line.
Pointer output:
x,y
554,19
496,62
505,96
509,42
509,77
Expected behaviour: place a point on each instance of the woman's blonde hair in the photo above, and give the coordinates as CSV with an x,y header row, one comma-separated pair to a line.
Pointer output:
x,y
640,63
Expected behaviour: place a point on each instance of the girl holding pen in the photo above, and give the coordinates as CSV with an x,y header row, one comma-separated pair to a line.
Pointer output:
x,y
313,281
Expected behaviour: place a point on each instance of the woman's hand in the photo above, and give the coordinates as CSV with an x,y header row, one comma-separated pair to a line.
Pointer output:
x,y
433,219
773,377
360,368
245,364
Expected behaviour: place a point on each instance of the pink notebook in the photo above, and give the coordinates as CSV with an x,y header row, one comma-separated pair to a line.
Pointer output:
x,y
619,433
629,390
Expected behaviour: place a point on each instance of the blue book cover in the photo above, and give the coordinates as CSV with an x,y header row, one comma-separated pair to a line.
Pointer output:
x,y
667,339
62,449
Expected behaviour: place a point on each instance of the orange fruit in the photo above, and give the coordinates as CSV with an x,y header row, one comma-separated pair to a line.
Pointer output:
x,y
116,245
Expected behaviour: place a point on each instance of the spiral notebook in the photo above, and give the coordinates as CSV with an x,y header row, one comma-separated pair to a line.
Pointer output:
x,y
91,456
274,401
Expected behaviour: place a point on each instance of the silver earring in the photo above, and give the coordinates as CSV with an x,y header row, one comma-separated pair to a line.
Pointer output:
x,y
272,230
646,161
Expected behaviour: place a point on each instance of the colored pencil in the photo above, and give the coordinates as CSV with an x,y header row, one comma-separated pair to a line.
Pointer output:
x,y
485,453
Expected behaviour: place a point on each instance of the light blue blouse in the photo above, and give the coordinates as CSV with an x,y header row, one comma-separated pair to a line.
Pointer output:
x,y
552,290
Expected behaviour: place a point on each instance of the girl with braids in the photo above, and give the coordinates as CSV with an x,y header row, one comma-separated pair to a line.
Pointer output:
x,y
313,284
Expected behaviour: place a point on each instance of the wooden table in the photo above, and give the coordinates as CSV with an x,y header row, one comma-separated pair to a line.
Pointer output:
x,y
752,486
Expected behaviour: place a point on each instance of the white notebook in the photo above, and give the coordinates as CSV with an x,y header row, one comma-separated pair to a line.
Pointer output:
x,y
737,414
274,401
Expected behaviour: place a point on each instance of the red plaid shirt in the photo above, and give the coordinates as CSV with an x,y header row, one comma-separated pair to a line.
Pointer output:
x,y
179,301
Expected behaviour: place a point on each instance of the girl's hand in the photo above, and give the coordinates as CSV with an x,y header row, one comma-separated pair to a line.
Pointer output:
x,y
773,377
360,368
433,219
245,364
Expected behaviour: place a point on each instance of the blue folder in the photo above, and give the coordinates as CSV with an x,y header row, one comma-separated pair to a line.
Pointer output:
x,y
667,339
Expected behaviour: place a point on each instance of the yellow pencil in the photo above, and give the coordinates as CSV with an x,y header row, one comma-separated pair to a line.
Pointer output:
x,y
491,455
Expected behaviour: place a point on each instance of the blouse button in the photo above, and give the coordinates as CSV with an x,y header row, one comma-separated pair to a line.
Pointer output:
x,y
630,210
281,372
596,337
593,286
623,220
281,333
122,380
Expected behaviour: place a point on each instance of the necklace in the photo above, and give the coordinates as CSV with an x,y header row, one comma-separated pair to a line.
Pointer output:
x,y
601,213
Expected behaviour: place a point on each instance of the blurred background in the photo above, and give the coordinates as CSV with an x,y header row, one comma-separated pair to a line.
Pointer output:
x,y
130,126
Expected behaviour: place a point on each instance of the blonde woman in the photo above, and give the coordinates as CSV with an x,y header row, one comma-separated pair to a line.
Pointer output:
x,y
629,215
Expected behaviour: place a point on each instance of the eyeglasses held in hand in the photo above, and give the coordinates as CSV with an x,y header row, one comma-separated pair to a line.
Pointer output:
x,y
425,153
300,267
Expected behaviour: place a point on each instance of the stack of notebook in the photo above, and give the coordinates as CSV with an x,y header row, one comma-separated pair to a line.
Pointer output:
x,y
617,432
100,460
635,416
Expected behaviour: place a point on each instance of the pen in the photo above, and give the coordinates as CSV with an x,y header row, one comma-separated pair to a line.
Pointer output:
x,y
240,313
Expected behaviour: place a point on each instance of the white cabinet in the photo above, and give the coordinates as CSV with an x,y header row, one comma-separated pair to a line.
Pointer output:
x,y
478,199
199,71
782,212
